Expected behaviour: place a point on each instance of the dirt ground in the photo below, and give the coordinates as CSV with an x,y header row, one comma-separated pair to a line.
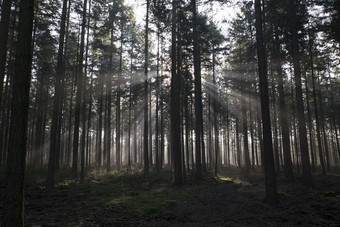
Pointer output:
x,y
232,199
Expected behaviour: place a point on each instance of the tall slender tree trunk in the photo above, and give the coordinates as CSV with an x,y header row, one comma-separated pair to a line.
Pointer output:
x,y
310,127
217,141
328,166
157,103
135,147
162,127
146,122
306,169
335,126
187,136
276,143
150,125
83,132
130,107
175,117
56,102
271,191
4,119
296,147
79,96
198,93
4,27
259,132
162,142
228,133
107,138
251,134
14,192
118,151
87,156
89,125
288,166
245,134
238,145
83,114
318,131
209,126
100,120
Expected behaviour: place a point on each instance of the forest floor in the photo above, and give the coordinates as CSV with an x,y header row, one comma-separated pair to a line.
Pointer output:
x,y
128,198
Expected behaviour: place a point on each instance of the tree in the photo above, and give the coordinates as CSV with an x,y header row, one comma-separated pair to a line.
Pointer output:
x,y
14,199
4,26
306,169
80,87
271,191
276,19
60,70
146,122
175,102
316,113
198,93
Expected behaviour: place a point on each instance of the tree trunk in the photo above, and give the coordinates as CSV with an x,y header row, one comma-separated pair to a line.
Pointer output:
x,y
146,122
87,161
245,133
14,197
100,120
130,108
84,83
276,143
209,126
323,128
4,27
251,134
334,124
56,102
306,170
175,117
118,152
79,96
198,93
215,96
288,167
89,115
310,127
238,146
157,103
271,194
296,147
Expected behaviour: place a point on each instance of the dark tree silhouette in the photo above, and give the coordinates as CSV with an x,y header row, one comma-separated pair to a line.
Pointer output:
x,y
271,190
14,199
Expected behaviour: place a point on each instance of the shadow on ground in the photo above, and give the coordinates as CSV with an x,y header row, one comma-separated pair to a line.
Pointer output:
x,y
129,199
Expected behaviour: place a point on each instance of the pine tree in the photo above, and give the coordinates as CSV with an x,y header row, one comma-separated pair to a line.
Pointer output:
x,y
271,190
14,199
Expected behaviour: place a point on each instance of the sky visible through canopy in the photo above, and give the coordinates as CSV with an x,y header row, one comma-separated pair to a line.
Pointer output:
x,y
221,14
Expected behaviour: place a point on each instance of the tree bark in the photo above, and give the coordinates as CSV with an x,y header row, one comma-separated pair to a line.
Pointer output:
x,y
14,192
118,152
198,94
4,27
157,103
306,169
79,96
271,190
56,101
175,117
146,122
288,167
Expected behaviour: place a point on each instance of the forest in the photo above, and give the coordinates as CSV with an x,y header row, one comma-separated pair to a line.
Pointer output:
x,y
170,113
